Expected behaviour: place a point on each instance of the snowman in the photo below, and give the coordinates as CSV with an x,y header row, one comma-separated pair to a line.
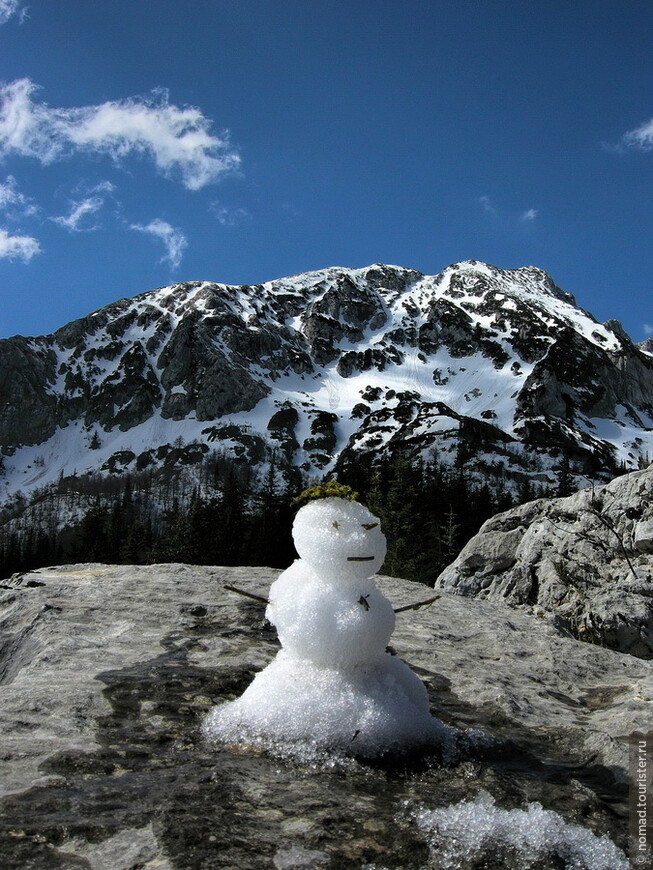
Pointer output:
x,y
332,686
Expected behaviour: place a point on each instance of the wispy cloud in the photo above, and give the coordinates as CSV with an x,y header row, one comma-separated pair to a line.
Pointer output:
x,y
9,8
486,204
229,217
82,208
174,240
506,219
18,247
290,211
641,138
78,212
178,140
14,203
648,329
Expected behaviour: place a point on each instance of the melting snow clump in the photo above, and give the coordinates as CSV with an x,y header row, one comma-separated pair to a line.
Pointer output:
x,y
332,686
470,831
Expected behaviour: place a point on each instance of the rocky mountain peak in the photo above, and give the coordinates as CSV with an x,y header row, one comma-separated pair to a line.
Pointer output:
x,y
370,359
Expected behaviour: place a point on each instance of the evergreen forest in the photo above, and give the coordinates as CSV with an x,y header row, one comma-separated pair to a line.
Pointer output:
x,y
220,515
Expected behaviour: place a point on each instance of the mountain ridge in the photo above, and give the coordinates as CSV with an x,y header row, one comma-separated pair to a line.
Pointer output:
x,y
319,366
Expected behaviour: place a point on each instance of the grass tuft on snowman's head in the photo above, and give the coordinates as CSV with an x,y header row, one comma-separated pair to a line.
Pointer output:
x,y
326,489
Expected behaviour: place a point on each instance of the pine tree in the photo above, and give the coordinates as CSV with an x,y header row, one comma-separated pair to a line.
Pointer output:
x,y
565,485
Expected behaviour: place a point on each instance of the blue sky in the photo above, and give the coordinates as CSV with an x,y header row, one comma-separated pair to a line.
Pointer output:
x,y
149,141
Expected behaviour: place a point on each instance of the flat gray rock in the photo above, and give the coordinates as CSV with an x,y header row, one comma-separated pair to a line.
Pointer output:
x,y
107,671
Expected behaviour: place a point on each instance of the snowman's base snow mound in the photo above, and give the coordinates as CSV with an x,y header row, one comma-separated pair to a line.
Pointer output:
x,y
297,708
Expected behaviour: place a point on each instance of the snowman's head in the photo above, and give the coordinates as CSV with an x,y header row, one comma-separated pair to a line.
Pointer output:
x,y
339,539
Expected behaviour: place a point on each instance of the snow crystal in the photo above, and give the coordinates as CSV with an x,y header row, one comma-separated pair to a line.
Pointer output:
x,y
332,686
471,831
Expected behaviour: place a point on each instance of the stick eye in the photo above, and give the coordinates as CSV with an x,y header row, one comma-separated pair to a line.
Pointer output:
x,y
368,526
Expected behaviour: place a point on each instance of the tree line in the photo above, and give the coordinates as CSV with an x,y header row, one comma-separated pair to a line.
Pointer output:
x,y
428,511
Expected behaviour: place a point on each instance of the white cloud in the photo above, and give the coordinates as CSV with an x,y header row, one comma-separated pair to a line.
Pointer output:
x,y
486,203
78,211
641,137
648,329
89,205
178,140
229,217
290,211
103,187
13,202
18,247
507,220
9,8
174,240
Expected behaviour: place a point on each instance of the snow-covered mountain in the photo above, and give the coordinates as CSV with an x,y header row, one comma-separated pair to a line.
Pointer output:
x,y
498,368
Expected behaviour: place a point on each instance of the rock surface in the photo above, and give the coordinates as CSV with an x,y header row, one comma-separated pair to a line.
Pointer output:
x,y
587,558
107,671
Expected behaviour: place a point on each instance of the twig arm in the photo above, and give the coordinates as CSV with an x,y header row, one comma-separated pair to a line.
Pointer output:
x,y
417,604
246,594
260,598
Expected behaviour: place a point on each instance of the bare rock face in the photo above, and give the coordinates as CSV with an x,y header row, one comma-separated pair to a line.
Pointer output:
x,y
107,671
27,370
587,559
200,375
344,310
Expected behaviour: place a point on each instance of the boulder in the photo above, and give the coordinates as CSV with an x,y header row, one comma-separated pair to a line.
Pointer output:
x,y
643,536
584,560
106,674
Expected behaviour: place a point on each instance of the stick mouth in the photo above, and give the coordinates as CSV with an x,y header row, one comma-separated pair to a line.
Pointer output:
x,y
360,558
